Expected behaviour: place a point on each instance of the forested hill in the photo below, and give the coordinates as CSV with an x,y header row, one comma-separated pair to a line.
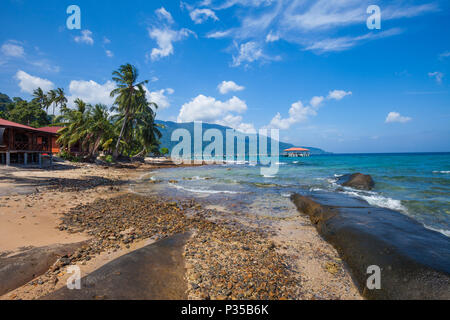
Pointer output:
x,y
170,126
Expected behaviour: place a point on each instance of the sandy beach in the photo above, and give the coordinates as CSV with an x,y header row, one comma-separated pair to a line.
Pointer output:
x,y
225,257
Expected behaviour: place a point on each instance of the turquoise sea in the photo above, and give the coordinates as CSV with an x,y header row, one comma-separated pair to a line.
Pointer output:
x,y
417,185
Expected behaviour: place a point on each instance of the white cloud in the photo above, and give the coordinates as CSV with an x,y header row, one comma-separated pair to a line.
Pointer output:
x,y
228,86
201,15
301,113
160,97
208,109
218,34
12,49
308,22
445,54
250,52
272,37
91,92
163,14
338,94
86,37
165,38
109,53
437,76
346,42
29,83
396,117
297,113
106,40
316,101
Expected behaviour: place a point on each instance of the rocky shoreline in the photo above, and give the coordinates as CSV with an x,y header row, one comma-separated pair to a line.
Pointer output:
x,y
414,261
227,256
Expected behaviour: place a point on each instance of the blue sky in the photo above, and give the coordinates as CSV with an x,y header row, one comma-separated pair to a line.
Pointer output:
x,y
312,69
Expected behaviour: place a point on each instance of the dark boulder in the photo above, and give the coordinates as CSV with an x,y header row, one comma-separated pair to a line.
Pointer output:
x,y
19,269
414,261
154,272
357,180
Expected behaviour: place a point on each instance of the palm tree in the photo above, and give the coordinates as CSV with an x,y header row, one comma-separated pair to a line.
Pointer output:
x,y
51,99
40,97
127,93
60,99
146,131
73,122
99,131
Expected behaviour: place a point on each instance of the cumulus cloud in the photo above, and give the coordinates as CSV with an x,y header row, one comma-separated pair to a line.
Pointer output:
x,y
338,94
201,15
160,97
437,76
300,112
211,110
297,113
12,49
250,52
229,86
29,83
91,92
396,117
316,101
165,38
163,14
86,37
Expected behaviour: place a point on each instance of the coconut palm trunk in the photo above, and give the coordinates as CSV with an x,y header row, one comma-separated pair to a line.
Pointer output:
x,y
116,151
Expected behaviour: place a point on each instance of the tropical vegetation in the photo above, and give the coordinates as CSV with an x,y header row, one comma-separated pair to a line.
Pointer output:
x,y
126,129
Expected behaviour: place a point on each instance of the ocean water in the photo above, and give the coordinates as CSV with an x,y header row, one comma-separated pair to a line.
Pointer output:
x,y
417,185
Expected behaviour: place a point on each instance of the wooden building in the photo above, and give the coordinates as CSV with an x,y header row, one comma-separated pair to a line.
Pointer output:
x,y
24,145
296,152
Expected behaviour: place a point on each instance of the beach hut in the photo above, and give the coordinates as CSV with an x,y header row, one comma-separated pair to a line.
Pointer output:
x,y
296,152
21,144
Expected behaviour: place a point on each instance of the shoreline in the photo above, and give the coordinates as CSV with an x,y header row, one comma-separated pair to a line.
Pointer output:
x,y
414,262
303,264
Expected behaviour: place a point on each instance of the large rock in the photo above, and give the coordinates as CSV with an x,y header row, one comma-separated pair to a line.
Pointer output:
x,y
19,269
414,261
357,181
154,272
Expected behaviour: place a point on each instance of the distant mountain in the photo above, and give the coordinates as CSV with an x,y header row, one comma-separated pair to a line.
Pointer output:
x,y
4,101
170,126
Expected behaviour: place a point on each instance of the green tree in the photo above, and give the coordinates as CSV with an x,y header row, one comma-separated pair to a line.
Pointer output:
x,y
164,151
4,102
51,99
87,125
41,98
127,94
28,113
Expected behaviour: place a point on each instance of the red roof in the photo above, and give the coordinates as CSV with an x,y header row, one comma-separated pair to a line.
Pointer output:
x,y
296,149
11,124
50,129
7,123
